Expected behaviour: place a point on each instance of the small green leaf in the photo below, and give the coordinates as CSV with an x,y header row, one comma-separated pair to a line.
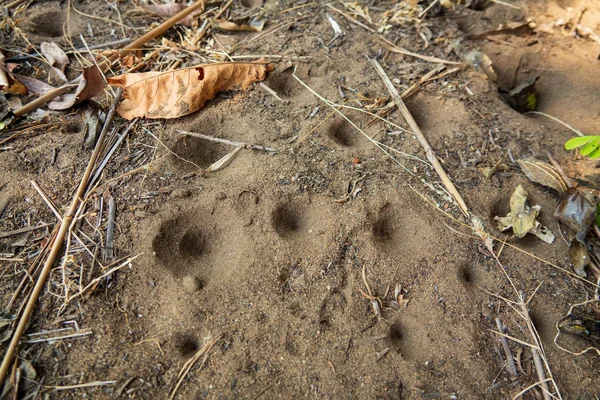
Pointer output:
x,y
579,141
589,148
595,153
598,214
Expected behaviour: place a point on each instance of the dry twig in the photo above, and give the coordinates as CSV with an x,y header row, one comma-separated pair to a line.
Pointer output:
x,y
417,131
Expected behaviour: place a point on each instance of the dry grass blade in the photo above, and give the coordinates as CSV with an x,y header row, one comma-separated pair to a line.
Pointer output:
x,y
574,130
395,49
172,94
203,352
417,131
224,161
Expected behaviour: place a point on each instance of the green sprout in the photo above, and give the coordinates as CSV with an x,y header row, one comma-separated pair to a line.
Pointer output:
x,y
590,145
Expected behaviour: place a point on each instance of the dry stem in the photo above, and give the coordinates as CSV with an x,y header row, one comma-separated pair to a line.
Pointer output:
x,y
417,131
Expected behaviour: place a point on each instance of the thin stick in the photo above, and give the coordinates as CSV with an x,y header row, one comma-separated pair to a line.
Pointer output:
x,y
204,28
65,226
271,91
511,367
96,280
40,101
159,30
395,49
505,4
539,368
84,385
56,338
230,142
417,131
22,230
110,230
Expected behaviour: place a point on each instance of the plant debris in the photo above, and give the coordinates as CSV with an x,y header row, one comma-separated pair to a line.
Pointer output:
x,y
523,97
577,211
90,85
172,94
56,57
543,173
523,219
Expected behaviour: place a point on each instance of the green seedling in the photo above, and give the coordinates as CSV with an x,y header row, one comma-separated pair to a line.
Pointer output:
x,y
589,145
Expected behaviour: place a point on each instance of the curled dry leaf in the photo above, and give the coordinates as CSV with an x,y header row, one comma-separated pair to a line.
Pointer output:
x,y
522,218
90,85
56,57
172,94
481,63
224,161
256,25
576,211
543,173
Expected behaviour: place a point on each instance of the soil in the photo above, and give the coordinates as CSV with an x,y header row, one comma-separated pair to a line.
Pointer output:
x,y
272,253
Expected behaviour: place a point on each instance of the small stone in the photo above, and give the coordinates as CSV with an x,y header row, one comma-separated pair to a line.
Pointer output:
x,y
191,284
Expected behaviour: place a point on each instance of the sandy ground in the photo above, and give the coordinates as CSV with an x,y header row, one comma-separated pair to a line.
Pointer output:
x,y
280,257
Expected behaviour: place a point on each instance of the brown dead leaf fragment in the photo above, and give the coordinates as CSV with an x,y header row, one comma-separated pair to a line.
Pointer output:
x,y
90,85
56,57
518,30
543,173
176,93
32,84
577,211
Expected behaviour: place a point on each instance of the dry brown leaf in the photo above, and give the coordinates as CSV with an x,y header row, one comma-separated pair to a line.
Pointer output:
x,y
32,84
90,85
253,25
172,94
56,57
542,173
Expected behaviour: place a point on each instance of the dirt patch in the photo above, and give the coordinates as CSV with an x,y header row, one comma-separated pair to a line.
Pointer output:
x,y
328,269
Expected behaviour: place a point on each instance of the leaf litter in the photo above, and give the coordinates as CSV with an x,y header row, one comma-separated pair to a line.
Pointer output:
x,y
522,218
176,93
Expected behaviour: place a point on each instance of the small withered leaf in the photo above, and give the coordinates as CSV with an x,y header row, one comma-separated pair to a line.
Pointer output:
x,y
576,211
543,173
